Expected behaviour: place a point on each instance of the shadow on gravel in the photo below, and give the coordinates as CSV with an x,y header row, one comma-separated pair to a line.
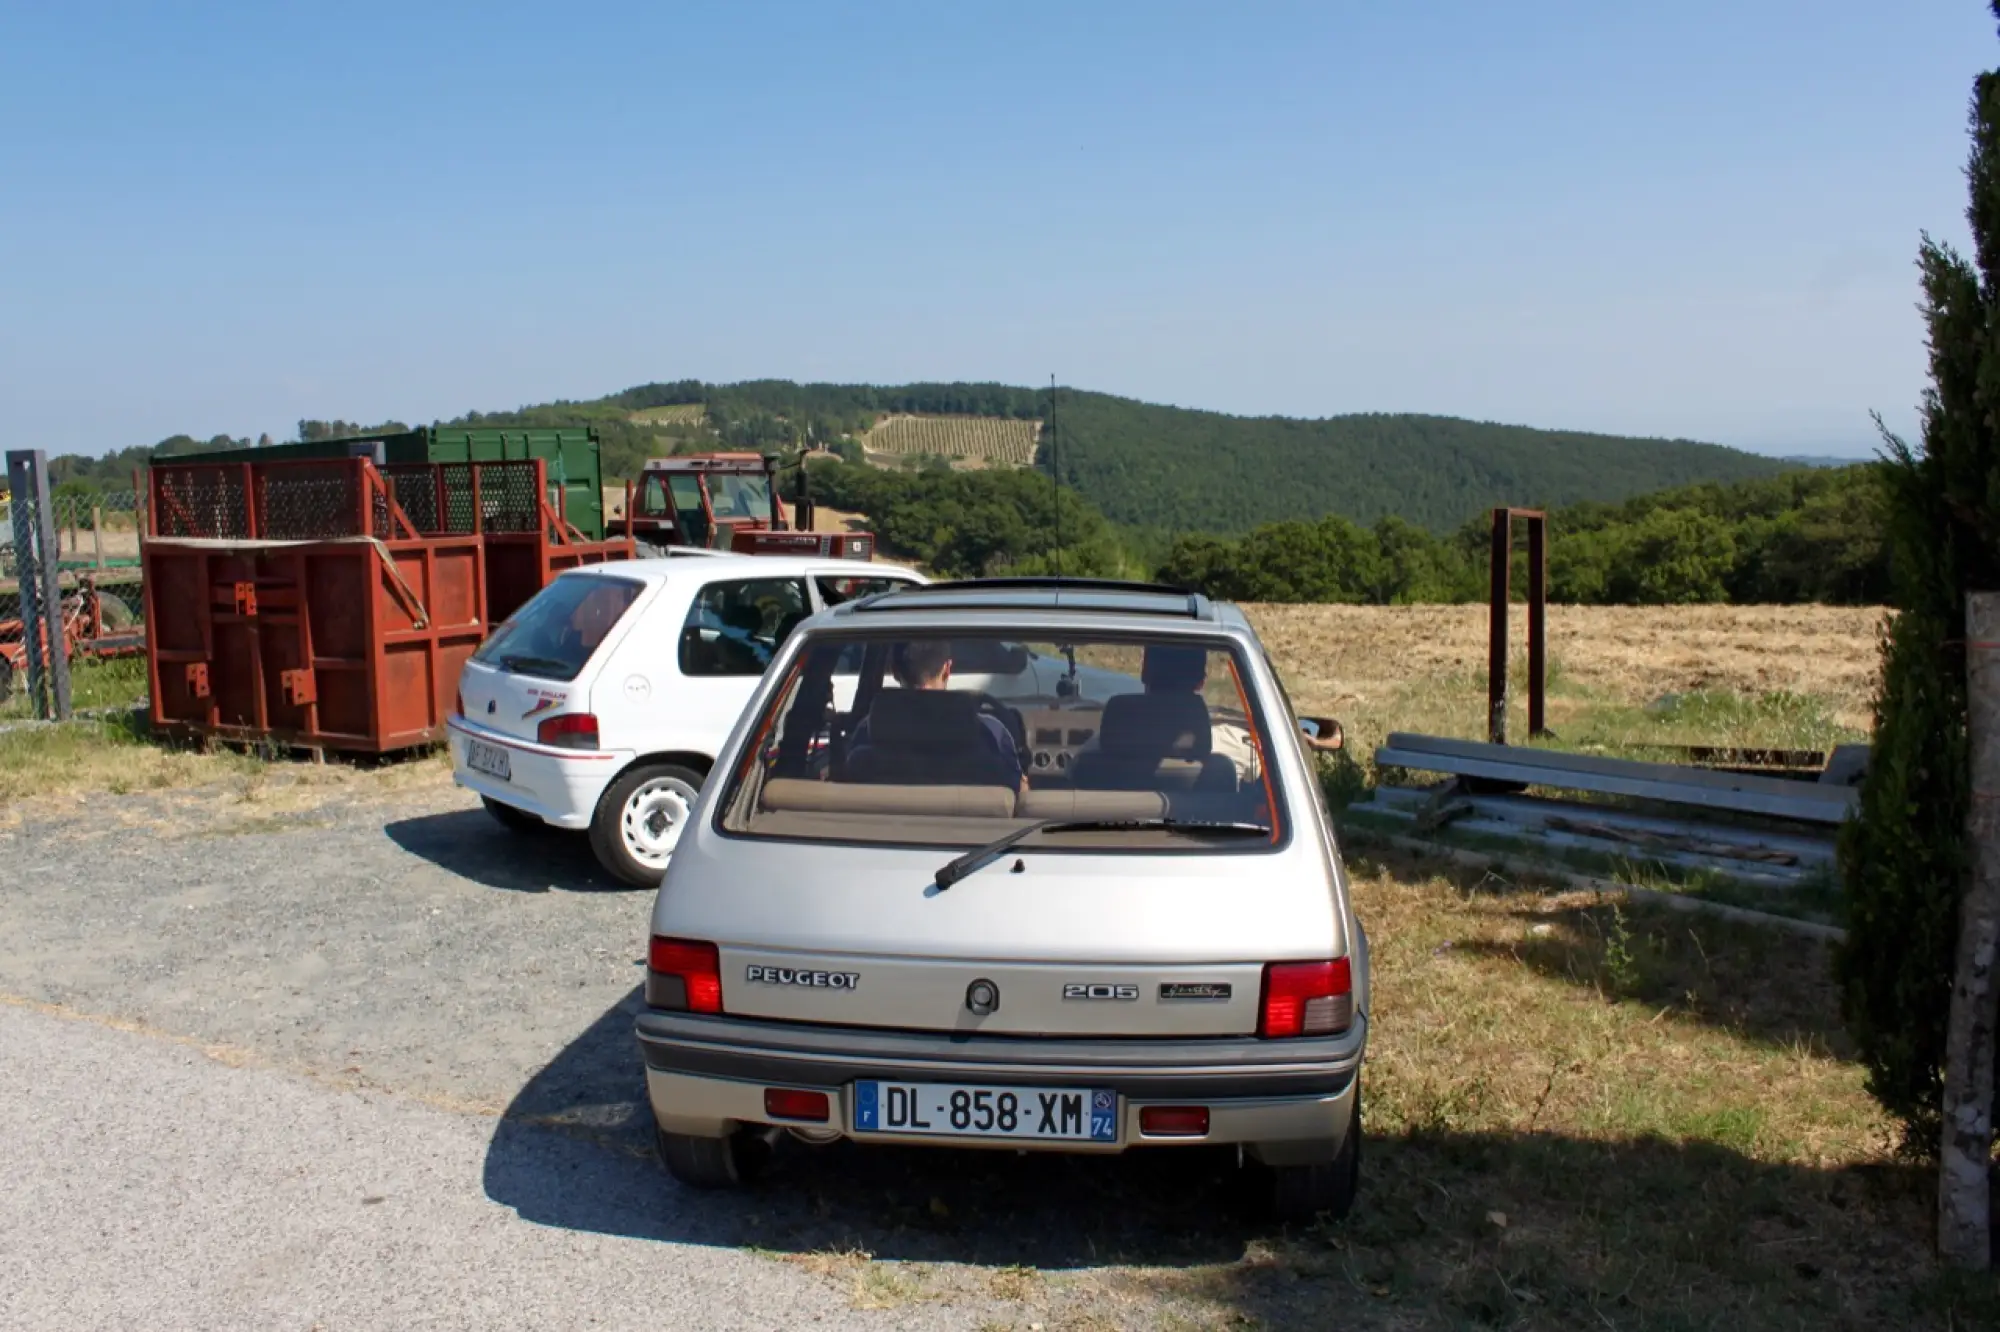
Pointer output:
x,y
575,1151
470,844
1453,1228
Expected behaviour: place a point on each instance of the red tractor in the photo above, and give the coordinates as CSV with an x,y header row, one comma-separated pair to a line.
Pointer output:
x,y
727,501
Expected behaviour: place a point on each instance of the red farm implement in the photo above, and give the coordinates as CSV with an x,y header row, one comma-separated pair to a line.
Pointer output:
x,y
95,624
329,604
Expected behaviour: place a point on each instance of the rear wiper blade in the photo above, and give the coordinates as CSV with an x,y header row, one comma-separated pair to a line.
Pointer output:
x,y
528,664
958,868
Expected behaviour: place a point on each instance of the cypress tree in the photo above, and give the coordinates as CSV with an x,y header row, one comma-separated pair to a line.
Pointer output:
x,y
1904,858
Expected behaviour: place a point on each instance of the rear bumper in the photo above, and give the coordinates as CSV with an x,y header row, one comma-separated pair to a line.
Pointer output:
x,y
559,787
1289,1102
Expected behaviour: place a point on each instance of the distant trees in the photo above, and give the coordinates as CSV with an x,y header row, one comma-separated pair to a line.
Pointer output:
x,y
973,524
1812,536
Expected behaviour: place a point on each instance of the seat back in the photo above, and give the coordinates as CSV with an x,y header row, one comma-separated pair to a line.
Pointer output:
x,y
1154,742
927,737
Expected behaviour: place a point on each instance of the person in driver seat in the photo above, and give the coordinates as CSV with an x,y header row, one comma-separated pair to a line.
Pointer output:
x,y
1170,670
926,665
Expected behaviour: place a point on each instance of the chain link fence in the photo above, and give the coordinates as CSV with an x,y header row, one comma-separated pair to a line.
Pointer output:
x,y
97,536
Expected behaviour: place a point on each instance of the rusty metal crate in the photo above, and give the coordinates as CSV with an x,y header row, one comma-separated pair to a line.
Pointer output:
x,y
294,603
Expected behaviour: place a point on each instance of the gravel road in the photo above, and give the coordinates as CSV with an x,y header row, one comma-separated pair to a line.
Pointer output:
x,y
228,1017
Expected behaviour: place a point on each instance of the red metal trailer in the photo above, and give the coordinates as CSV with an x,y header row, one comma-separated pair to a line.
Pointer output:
x,y
328,603
528,540
295,602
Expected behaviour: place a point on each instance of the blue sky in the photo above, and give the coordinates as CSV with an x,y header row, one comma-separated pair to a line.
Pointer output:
x,y
1692,220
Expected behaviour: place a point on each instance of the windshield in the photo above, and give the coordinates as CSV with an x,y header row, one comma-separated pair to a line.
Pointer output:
x,y
738,496
877,738
553,635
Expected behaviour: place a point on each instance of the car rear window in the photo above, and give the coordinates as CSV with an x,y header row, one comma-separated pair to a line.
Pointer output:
x,y
555,633
1155,742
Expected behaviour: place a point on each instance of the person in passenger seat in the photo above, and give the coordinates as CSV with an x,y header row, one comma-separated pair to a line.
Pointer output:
x,y
1170,670
927,665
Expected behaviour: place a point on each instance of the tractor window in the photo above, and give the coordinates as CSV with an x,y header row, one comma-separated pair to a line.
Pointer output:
x,y
740,496
690,518
735,628
653,497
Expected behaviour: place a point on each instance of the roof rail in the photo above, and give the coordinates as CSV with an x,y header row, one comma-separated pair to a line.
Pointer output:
x,y
1056,583
1195,605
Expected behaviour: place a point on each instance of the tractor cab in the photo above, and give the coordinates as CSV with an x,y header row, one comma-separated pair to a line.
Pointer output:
x,y
728,501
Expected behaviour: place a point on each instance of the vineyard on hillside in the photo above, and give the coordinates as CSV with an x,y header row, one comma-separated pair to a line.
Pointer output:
x,y
680,413
990,439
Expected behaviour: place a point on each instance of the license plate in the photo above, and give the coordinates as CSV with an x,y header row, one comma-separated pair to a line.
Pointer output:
x,y
949,1111
489,759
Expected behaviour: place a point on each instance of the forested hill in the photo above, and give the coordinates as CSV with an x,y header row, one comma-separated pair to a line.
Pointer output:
x,y
1162,469
1175,469
1166,467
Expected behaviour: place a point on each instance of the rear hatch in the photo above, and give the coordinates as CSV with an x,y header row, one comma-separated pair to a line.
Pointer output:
x,y
1070,944
529,669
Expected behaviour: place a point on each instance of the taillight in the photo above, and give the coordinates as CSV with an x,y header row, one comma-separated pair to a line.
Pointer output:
x,y
572,730
1307,999
682,974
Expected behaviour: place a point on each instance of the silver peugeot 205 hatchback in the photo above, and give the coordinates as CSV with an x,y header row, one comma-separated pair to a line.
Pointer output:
x,y
1113,916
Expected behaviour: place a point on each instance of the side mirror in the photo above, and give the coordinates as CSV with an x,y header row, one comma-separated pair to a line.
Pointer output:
x,y
1322,733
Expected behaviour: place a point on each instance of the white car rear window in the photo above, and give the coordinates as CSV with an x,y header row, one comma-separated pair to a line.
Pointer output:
x,y
555,633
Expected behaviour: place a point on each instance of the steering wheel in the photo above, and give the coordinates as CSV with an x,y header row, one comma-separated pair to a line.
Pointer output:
x,y
1009,718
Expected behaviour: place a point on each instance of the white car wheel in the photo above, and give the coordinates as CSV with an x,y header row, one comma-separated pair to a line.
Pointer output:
x,y
639,820
652,820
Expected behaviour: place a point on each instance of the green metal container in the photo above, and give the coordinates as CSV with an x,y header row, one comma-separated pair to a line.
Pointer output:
x,y
575,471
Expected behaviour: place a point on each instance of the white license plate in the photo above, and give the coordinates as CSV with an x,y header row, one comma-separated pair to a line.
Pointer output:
x,y
489,759
947,1110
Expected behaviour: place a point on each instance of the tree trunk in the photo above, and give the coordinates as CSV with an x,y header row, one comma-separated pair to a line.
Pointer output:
x,y
1964,1208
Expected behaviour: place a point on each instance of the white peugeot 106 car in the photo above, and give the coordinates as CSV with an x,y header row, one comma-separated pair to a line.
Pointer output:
x,y
601,703
1111,914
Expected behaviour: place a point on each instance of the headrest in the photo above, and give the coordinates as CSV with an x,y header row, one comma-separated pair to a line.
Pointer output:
x,y
926,719
1155,726
1174,667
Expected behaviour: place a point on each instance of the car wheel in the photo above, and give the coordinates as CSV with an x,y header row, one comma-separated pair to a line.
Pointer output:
x,y
1322,1188
713,1163
639,819
514,820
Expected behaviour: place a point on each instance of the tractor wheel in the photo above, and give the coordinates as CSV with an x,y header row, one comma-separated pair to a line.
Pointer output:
x,y
6,679
114,613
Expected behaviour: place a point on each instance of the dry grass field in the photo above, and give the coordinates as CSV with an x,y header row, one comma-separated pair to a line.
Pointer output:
x,y
1618,675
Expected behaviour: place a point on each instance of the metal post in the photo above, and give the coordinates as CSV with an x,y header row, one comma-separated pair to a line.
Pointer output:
x,y
37,558
1496,627
1538,624
1964,1189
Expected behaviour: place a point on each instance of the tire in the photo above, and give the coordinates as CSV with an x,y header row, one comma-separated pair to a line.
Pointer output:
x,y
1303,1193
113,613
6,679
513,820
639,818
713,1163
